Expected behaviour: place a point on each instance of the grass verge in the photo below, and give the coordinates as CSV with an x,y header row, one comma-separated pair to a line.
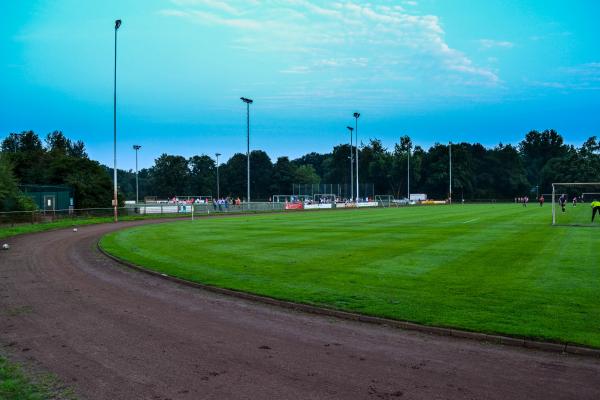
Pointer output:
x,y
16,385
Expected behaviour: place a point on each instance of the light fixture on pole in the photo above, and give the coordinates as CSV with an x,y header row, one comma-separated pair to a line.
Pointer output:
x,y
218,189
351,166
248,102
136,147
356,115
115,203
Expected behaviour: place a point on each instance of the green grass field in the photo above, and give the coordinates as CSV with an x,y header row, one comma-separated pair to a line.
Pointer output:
x,y
491,268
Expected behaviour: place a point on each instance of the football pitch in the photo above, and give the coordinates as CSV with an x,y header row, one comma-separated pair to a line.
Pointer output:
x,y
494,268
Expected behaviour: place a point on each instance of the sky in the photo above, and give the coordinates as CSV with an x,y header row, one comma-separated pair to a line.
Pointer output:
x,y
436,70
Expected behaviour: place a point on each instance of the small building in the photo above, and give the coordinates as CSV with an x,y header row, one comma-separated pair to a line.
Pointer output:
x,y
50,197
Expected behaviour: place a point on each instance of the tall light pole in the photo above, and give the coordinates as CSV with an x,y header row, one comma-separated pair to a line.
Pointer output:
x,y
450,168
115,204
218,189
351,165
248,102
136,147
356,115
408,175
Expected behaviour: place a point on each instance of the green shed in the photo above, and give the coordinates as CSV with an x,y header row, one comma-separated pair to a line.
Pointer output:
x,y
50,197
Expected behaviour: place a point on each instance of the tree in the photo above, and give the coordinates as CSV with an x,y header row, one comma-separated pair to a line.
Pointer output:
x,y
261,170
233,176
283,177
203,176
170,175
11,198
537,149
306,174
92,187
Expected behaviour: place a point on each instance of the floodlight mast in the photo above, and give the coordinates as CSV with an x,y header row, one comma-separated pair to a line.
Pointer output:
x,y
136,147
351,166
115,204
450,169
356,115
248,102
218,189
408,175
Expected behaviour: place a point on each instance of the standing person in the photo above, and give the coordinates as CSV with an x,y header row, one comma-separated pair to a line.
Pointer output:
x,y
541,200
595,208
562,200
574,201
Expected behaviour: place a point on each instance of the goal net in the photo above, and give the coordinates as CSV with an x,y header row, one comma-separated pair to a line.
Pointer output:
x,y
572,203
384,200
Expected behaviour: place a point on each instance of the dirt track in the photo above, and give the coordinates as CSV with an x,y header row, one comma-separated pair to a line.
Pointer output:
x,y
114,333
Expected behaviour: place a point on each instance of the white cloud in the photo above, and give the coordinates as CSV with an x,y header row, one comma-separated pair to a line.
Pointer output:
x,y
214,4
385,41
489,43
299,69
209,18
579,77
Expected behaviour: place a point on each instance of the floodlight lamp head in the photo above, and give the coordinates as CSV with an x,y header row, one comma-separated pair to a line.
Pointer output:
x,y
218,154
137,147
350,128
356,115
246,100
117,24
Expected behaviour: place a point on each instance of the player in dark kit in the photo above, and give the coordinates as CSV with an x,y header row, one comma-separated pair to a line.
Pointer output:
x,y
563,202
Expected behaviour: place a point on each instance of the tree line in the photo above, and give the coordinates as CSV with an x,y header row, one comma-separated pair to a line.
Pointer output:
x,y
478,172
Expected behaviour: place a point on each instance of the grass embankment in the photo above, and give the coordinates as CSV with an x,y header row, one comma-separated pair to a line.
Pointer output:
x,y
23,228
15,385
19,229
490,268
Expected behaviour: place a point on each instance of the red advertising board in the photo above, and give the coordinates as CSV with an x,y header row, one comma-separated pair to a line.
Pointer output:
x,y
293,206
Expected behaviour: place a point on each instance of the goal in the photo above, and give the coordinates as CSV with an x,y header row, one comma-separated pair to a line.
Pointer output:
x,y
384,200
571,203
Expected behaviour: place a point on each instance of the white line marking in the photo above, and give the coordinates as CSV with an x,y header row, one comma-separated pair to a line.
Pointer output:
x,y
471,220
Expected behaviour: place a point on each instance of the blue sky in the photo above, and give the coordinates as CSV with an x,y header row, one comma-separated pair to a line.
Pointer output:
x,y
437,70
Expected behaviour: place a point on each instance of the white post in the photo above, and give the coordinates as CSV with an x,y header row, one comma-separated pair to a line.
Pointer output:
x,y
192,211
553,206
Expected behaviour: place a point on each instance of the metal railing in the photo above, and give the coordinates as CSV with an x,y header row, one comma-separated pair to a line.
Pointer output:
x,y
11,218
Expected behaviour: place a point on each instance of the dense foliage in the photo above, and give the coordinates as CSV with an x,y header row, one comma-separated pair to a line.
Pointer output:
x,y
58,161
11,198
501,172
478,172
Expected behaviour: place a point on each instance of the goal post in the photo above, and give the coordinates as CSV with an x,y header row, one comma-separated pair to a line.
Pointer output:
x,y
384,200
570,202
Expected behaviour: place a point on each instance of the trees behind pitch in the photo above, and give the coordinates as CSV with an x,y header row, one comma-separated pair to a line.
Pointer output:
x,y
501,172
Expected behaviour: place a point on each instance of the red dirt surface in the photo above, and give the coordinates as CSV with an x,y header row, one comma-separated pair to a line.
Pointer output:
x,y
115,333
